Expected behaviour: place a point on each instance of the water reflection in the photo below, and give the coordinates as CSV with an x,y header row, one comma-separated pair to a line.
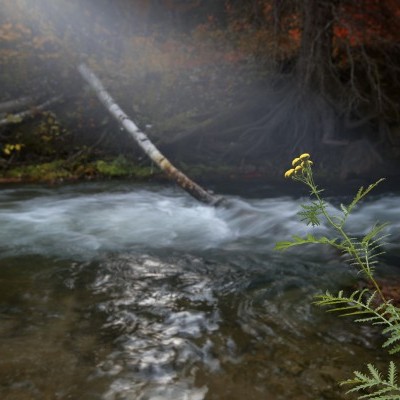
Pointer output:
x,y
224,318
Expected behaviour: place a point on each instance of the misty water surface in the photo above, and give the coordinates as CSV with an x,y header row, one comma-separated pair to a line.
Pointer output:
x,y
118,291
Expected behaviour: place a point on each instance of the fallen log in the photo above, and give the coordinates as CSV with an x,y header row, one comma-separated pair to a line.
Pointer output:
x,y
21,116
144,142
16,104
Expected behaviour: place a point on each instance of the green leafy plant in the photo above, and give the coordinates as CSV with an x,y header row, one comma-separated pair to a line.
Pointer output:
x,y
367,305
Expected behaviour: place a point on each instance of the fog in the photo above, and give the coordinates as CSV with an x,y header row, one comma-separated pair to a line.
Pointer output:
x,y
175,70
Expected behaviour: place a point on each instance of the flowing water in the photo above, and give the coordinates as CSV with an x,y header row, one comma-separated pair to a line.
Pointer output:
x,y
118,291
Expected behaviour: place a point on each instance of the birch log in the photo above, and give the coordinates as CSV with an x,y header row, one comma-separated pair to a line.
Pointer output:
x,y
144,142
21,116
16,104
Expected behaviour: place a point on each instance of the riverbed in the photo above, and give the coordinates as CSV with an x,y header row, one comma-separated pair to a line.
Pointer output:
x,y
132,291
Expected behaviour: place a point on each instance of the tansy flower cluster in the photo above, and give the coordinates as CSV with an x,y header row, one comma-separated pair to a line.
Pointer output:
x,y
300,165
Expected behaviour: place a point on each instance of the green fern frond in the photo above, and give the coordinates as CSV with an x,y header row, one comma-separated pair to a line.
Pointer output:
x,y
374,372
395,349
345,210
374,232
371,320
379,387
392,374
391,340
363,254
394,337
309,239
357,304
311,213
381,395
394,313
356,199
369,301
361,193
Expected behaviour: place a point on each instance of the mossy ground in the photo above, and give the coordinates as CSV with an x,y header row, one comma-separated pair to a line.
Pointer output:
x,y
64,170
69,170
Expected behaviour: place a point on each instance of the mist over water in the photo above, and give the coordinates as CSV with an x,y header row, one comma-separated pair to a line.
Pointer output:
x,y
83,224
139,292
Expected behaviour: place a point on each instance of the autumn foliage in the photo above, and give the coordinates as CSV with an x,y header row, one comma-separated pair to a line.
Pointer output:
x,y
176,62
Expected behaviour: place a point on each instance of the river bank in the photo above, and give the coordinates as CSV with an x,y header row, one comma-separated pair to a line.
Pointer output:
x,y
221,179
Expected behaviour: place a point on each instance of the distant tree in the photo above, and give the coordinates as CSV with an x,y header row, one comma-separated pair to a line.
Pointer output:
x,y
314,62
346,50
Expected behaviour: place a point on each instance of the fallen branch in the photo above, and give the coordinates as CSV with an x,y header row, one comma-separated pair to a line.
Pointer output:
x,y
16,104
144,142
19,117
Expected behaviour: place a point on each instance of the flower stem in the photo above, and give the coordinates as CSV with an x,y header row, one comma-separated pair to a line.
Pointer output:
x,y
349,247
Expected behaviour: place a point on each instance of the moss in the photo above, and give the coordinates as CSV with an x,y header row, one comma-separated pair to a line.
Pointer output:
x,y
61,170
117,167
121,167
52,171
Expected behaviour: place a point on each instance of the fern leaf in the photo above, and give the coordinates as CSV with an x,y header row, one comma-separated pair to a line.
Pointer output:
x,y
395,349
392,373
375,230
359,304
362,193
377,394
394,314
370,320
311,213
362,384
380,397
378,387
347,314
393,329
309,239
374,372
393,339
369,301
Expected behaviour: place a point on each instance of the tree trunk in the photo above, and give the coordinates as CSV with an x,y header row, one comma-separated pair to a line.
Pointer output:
x,y
144,142
314,65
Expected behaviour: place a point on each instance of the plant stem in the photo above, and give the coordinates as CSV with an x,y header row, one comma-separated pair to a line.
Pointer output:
x,y
349,247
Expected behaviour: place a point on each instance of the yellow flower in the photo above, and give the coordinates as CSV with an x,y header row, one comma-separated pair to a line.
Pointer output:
x,y
295,161
289,173
304,156
298,169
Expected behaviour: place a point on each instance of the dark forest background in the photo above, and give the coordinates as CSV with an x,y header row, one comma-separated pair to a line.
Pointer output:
x,y
224,87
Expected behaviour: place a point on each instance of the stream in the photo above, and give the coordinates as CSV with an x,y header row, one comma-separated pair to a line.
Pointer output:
x,y
119,291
